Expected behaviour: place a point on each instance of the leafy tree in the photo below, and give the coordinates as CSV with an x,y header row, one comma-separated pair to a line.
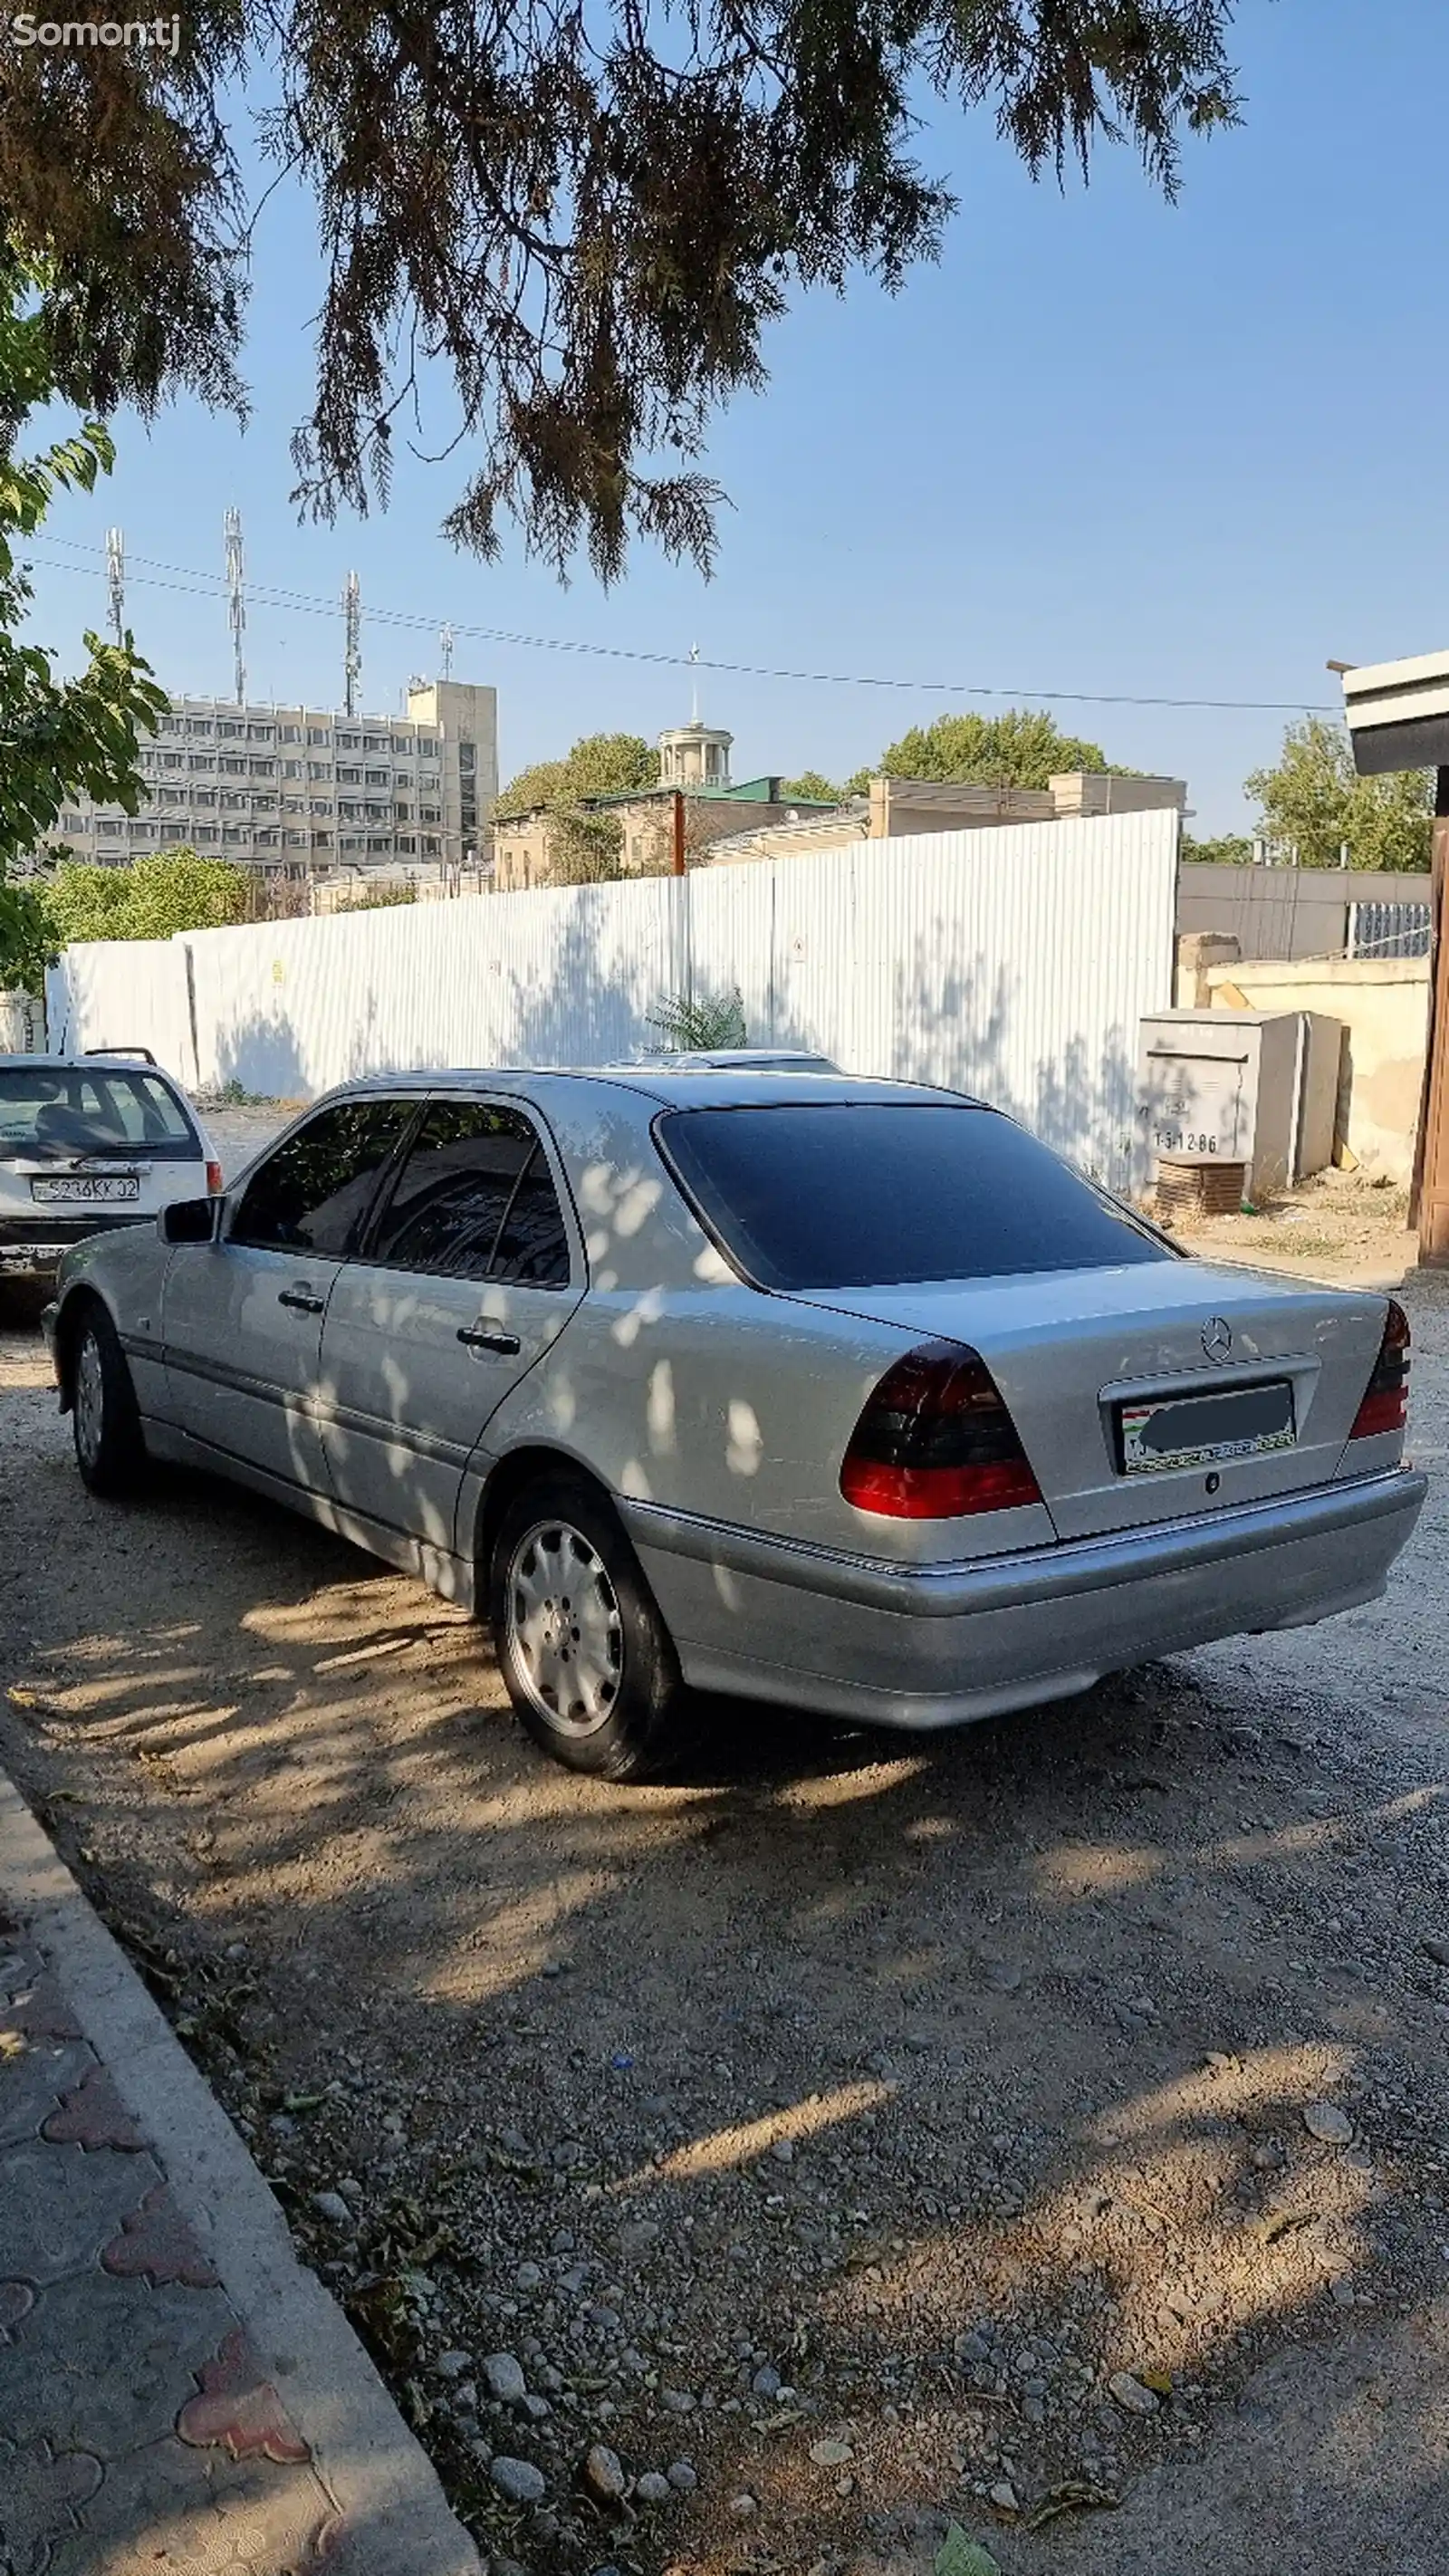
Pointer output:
x,y
1017,749
151,898
1230,850
57,737
811,788
589,216
600,764
587,848
1316,806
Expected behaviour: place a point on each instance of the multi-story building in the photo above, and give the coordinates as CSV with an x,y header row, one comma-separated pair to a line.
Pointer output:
x,y
299,790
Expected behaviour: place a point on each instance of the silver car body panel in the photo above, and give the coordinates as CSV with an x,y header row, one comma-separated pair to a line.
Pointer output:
x,y
717,1416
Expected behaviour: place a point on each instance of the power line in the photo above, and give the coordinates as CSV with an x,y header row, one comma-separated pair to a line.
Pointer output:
x,y
186,580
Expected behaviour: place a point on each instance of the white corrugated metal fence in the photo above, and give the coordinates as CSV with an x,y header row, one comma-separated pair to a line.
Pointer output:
x,y
1015,963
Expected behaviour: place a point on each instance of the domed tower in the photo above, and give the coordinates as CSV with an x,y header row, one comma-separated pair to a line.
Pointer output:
x,y
694,755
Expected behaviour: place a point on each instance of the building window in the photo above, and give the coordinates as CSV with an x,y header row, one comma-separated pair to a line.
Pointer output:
x,y
321,840
231,767
406,844
375,742
402,811
207,832
259,733
319,768
429,814
350,777
430,847
225,726
349,741
262,768
379,841
403,743
200,725
204,761
377,778
290,733
467,755
318,737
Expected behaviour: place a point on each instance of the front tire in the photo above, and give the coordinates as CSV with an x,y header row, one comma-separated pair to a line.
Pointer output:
x,y
586,1658
105,1419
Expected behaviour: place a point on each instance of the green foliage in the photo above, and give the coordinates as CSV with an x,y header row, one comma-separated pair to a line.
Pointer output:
x,y
958,2556
57,738
587,848
811,788
149,899
592,218
600,764
381,898
1017,749
1230,850
1315,805
697,1023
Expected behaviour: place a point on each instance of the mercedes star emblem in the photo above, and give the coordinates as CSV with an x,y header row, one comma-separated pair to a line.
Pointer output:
x,y
1217,1337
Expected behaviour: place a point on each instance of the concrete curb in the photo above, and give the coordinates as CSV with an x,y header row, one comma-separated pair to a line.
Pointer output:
x,y
395,2517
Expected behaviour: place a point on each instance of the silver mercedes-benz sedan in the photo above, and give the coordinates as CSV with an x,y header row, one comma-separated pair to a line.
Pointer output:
x,y
840,1393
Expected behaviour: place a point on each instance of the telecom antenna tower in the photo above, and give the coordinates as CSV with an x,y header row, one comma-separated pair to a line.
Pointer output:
x,y
237,609
116,581
446,641
352,641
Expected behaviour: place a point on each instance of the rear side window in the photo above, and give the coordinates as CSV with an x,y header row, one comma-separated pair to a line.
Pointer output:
x,y
876,1195
313,1193
475,1200
66,1112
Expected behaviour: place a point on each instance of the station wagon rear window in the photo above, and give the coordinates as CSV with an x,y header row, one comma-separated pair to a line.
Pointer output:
x,y
55,1114
885,1194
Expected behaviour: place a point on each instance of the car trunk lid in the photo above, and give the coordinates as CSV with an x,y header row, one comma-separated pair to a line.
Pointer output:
x,y
1069,1350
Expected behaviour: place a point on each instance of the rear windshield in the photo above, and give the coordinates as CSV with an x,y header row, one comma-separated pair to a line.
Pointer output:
x,y
877,1195
56,1113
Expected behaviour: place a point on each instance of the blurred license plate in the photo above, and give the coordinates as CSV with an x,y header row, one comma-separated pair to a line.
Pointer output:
x,y
80,1190
1199,1430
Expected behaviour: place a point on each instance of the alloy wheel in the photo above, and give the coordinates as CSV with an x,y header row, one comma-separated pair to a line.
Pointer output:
x,y
565,1633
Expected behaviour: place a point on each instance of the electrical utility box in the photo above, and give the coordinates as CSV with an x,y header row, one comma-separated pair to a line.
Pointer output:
x,y
1258,1088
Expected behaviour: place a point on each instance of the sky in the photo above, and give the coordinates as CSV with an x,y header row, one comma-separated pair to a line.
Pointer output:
x,y
1106,446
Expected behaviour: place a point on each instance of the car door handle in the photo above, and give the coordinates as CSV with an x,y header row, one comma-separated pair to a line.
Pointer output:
x,y
505,1344
302,1300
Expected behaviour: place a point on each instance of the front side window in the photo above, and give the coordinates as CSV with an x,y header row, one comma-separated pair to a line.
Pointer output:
x,y
313,1193
874,1194
475,1200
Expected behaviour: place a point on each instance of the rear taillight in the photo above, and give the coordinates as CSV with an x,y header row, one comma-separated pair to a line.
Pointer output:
x,y
213,1180
1386,1403
936,1441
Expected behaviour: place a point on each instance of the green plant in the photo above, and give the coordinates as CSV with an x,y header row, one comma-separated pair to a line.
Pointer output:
x,y
151,898
58,738
697,1023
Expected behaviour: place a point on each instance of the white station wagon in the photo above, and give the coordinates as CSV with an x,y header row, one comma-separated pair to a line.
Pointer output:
x,y
88,1143
838,1393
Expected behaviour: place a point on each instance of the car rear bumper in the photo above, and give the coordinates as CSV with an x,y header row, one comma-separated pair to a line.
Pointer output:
x,y
39,1254
942,1645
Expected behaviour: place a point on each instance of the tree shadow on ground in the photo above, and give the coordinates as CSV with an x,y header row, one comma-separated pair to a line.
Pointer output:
x,y
942,2079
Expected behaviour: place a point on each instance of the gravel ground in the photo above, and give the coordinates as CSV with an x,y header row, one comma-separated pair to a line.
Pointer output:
x,y
759,2172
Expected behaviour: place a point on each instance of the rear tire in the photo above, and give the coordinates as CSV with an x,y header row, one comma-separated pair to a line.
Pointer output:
x,y
110,1450
585,1655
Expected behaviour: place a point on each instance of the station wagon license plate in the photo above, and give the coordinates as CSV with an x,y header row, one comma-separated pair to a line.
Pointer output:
x,y
79,1189
1202,1430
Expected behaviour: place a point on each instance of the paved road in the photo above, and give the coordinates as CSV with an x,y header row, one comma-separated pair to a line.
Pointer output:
x,y
833,2125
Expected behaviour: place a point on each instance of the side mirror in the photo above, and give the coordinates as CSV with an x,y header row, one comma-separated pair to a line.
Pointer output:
x,y
190,1221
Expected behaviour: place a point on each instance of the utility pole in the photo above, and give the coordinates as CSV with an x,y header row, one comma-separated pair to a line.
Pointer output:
x,y
352,641
677,836
116,582
1429,1202
237,606
1398,718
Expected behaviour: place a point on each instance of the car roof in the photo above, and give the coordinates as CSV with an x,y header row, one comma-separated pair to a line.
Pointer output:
x,y
716,1088
122,1059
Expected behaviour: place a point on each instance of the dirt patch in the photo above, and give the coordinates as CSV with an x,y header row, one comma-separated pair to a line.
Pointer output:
x,y
1336,1226
822,2136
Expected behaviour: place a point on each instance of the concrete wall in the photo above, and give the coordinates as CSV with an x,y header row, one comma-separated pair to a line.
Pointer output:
x,y
1384,1006
1284,912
